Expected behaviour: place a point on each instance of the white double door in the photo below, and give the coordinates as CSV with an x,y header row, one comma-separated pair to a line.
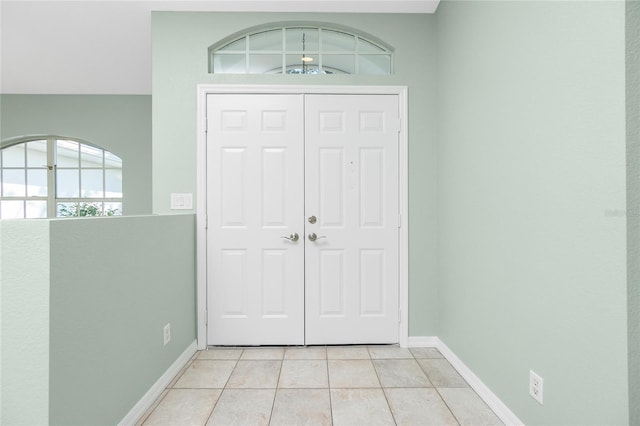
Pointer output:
x,y
302,208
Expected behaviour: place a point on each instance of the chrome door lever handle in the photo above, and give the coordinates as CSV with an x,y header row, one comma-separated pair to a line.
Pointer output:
x,y
293,237
314,237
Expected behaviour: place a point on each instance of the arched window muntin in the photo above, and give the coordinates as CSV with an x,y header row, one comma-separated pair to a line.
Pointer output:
x,y
279,48
58,176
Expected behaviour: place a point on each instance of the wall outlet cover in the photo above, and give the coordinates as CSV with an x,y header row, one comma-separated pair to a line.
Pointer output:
x,y
167,334
535,386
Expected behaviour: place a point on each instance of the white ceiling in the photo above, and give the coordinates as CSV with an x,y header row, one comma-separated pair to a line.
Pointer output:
x,y
104,46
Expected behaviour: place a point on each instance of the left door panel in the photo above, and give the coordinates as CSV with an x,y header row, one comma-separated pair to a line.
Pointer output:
x,y
255,188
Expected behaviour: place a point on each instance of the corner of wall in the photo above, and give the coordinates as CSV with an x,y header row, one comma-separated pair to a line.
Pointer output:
x,y
24,278
633,203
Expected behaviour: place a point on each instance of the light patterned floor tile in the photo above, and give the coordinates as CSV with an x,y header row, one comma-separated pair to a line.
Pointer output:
x,y
348,352
468,407
400,373
311,352
301,407
184,407
262,354
425,353
442,374
360,407
307,374
243,407
289,386
255,374
389,352
419,406
206,374
221,353
352,374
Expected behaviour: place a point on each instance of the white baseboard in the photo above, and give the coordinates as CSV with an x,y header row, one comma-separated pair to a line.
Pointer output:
x,y
154,392
502,411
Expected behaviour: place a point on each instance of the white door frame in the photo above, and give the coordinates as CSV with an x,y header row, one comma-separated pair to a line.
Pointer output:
x,y
201,190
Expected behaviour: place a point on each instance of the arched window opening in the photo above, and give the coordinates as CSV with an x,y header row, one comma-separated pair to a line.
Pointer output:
x,y
300,49
58,177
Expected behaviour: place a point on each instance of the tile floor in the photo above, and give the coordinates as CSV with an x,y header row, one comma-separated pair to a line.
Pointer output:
x,y
352,385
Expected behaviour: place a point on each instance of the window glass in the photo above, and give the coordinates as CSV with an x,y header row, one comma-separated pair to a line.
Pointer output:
x,y
92,184
11,209
296,64
374,64
13,156
13,183
266,41
239,45
302,39
230,63
112,209
339,64
265,64
335,41
37,154
68,183
300,50
67,209
365,46
90,156
37,183
111,160
36,209
113,183
67,154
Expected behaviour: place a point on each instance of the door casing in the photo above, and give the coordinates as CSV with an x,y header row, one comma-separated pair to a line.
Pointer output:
x,y
201,189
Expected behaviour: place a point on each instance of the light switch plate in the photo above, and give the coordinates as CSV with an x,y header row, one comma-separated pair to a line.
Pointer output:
x,y
181,201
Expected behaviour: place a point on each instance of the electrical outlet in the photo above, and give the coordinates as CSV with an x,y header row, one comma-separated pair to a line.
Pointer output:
x,y
167,333
535,386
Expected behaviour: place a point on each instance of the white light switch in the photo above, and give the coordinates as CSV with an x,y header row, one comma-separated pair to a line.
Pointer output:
x,y
181,201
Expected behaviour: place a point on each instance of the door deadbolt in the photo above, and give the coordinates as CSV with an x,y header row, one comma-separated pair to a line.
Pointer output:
x,y
312,219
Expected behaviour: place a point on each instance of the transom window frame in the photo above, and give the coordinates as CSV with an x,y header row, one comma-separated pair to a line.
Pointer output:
x,y
319,67
80,205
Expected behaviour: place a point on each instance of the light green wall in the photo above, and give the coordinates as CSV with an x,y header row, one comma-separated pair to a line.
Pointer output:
x,y
633,205
118,123
531,202
24,308
84,304
180,43
109,308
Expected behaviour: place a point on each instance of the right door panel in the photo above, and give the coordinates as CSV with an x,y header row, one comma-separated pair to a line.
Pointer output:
x,y
351,188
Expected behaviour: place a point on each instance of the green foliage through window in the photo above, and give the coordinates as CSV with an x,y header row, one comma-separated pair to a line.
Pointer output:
x,y
85,209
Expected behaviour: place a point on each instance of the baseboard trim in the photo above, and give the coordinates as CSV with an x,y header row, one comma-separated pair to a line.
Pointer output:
x,y
491,399
154,392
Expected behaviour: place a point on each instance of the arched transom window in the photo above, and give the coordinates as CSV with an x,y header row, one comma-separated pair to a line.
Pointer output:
x,y
300,49
58,177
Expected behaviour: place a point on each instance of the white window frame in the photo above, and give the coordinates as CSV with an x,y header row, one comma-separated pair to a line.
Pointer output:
x,y
217,48
51,198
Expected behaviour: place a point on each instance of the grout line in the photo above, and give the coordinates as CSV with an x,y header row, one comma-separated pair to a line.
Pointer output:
x,y
384,394
326,352
447,405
